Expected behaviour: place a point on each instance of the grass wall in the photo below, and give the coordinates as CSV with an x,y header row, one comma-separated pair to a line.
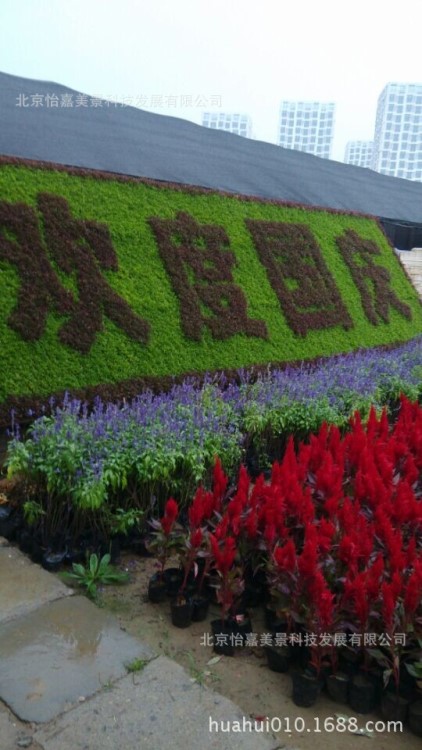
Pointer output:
x,y
107,283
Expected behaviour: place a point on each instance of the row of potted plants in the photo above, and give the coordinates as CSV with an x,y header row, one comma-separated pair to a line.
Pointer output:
x,y
87,471
334,538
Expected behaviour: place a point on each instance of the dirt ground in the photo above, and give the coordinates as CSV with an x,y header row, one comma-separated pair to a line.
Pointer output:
x,y
244,678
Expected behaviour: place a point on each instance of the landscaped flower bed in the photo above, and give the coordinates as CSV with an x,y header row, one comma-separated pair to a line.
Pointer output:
x,y
337,534
331,542
100,474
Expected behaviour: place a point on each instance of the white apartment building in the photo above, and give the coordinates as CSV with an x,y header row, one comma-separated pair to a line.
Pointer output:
x,y
233,122
307,126
398,131
359,153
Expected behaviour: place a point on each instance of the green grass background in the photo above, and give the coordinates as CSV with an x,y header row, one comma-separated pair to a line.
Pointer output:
x,y
46,366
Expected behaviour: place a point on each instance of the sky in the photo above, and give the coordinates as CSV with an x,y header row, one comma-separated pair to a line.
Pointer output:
x,y
184,57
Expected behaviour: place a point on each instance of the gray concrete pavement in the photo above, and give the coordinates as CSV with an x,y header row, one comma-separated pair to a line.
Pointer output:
x,y
63,670
65,650
156,709
24,586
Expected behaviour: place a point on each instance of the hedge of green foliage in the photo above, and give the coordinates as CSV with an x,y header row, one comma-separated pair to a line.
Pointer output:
x,y
107,280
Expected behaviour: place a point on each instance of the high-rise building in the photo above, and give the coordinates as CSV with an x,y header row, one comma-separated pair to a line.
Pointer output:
x,y
307,126
233,122
359,153
398,131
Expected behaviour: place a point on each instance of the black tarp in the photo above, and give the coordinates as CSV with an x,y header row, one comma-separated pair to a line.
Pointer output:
x,y
130,141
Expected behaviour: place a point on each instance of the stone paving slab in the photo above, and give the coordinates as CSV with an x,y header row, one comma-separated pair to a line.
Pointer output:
x,y
61,652
14,734
158,708
25,586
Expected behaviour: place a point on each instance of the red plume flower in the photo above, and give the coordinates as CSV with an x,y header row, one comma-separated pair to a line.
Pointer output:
x,y
171,512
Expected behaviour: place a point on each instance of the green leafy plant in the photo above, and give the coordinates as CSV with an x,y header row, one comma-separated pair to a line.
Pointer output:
x,y
123,521
96,572
32,512
137,665
415,667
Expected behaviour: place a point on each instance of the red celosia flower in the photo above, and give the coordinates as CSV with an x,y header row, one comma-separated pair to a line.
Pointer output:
x,y
243,484
410,470
220,482
411,552
234,512
198,510
357,591
326,531
220,531
196,538
251,524
413,591
326,609
171,512
225,555
307,561
270,532
374,576
285,556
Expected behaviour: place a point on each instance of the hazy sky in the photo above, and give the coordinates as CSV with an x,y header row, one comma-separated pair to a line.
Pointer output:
x,y
250,54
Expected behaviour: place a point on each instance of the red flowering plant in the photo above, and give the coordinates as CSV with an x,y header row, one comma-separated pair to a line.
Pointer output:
x,y
283,583
206,513
282,515
231,583
320,622
193,543
166,537
243,511
399,602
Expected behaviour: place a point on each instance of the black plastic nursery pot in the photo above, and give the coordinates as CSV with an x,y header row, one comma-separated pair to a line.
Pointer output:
x,y
362,694
37,551
338,687
181,612
415,718
349,661
191,587
241,625
306,689
394,707
11,522
157,589
200,607
75,555
25,542
375,675
278,658
53,561
270,616
139,545
223,639
173,578
256,590
274,623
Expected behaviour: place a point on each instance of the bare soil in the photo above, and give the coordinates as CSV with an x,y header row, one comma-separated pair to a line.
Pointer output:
x,y
244,678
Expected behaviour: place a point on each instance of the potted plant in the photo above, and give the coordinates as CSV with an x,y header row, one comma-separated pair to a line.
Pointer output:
x,y
164,542
121,525
229,588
